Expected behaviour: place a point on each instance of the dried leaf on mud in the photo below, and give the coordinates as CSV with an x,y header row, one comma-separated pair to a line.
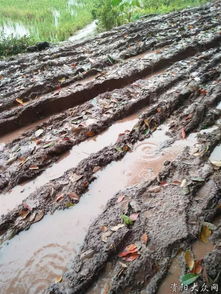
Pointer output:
x,y
58,280
216,163
96,169
120,198
117,227
48,145
189,259
20,101
154,189
131,257
75,177
183,183
59,198
38,216
198,179
90,134
134,216
103,229
130,253
69,204
123,264
144,238
189,278
39,132
24,213
183,133
105,236
132,248
205,234
34,167
74,196
197,269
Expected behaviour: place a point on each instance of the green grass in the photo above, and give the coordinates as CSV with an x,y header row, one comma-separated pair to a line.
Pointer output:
x,y
112,13
37,16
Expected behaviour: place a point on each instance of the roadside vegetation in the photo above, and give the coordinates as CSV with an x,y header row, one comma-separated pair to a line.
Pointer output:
x,y
111,13
56,20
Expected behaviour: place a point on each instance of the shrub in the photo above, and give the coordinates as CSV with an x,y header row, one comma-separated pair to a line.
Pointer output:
x,y
11,46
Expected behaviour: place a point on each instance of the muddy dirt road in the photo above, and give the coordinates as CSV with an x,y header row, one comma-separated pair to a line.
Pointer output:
x,y
110,156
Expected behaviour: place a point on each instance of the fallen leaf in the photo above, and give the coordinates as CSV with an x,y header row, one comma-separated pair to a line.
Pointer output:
x,y
96,169
197,269
69,204
33,167
189,278
134,216
203,91
183,183
154,189
20,101
74,196
205,234
87,254
211,226
123,264
59,197
117,227
126,219
105,235
125,148
62,80
24,213
48,145
189,259
58,280
163,183
144,238
120,198
176,183
39,215
198,179
103,228
131,257
130,249
183,133
39,132
85,184
90,134
216,163
74,177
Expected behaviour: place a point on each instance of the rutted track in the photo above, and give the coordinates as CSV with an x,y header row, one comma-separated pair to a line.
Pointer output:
x,y
166,69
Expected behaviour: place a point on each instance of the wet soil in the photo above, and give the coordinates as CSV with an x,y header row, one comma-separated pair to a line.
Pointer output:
x,y
124,126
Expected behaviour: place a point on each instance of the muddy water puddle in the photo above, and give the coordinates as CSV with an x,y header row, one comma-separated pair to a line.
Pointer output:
x,y
16,134
216,154
79,152
172,282
33,259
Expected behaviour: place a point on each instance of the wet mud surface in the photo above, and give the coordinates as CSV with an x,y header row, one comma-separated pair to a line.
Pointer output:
x,y
110,143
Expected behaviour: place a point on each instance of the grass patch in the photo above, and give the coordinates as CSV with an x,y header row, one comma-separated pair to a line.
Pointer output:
x,y
111,13
39,17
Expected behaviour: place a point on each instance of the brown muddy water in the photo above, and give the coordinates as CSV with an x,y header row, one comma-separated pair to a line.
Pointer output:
x,y
172,281
79,152
34,258
216,154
